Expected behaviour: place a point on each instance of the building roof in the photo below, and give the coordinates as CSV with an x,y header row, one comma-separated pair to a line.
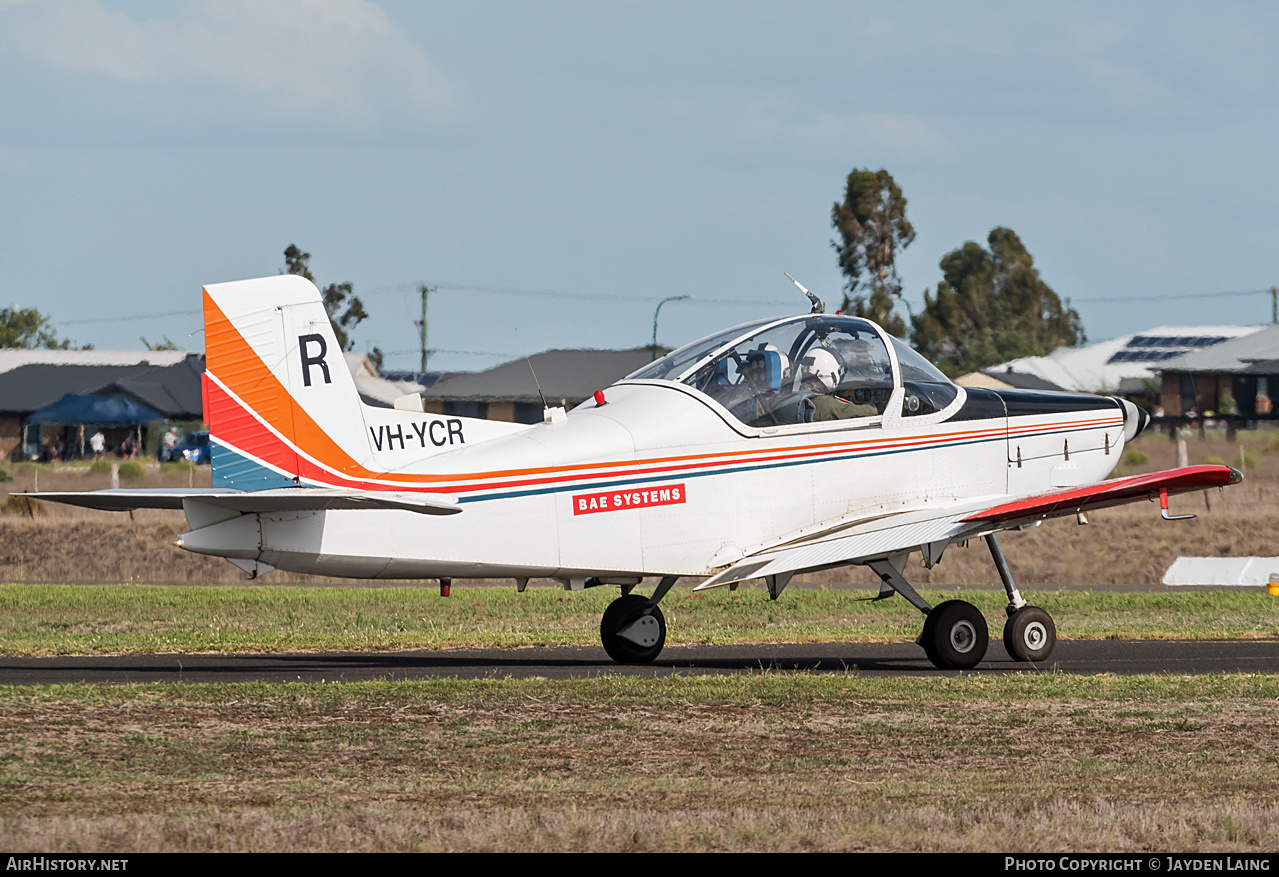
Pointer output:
x,y
1009,379
172,389
568,375
1232,356
16,357
374,388
1264,367
1108,366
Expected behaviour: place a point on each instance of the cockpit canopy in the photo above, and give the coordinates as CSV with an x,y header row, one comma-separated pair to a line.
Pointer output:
x,y
803,370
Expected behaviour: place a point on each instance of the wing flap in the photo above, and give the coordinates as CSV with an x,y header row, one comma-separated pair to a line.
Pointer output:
x,y
878,538
912,530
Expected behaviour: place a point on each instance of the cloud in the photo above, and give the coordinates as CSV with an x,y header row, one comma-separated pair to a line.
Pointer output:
x,y
342,59
776,126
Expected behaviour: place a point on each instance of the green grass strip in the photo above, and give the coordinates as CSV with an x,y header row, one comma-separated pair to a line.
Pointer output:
x,y
60,619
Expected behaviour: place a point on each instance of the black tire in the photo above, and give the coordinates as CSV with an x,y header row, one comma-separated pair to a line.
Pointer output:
x,y
955,636
926,638
1029,634
621,614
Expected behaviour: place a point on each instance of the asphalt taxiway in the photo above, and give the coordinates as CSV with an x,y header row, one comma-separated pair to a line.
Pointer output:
x,y
1085,657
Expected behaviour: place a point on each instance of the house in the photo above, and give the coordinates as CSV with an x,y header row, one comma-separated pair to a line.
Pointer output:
x,y
379,389
165,381
510,391
994,379
1126,365
1245,369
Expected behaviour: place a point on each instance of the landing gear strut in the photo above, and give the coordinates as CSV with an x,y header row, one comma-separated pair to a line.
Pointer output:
x,y
633,629
1029,633
955,635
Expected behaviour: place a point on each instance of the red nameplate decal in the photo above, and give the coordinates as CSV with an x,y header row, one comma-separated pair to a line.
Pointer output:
x,y
617,500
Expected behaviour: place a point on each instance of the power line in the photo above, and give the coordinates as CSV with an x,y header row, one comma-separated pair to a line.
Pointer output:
x,y
129,319
447,287
599,296
551,293
443,350
1114,300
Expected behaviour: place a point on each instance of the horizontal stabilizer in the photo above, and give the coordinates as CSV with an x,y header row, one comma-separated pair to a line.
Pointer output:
x,y
286,499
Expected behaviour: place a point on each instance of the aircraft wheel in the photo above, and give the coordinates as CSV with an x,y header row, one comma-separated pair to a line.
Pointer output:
x,y
955,636
631,631
1029,634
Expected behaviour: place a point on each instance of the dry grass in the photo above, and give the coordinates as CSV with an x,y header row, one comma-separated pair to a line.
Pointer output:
x,y
766,763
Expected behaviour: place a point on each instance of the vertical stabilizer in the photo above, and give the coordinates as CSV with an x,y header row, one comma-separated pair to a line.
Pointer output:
x,y
280,398
283,408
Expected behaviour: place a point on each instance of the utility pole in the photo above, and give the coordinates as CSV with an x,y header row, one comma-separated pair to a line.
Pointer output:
x,y
424,291
1274,304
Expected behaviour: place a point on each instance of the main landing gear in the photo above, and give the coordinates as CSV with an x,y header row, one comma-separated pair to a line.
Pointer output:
x,y
955,634
633,629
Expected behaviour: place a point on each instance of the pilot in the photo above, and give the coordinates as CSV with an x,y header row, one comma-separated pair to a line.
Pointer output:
x,y
823,369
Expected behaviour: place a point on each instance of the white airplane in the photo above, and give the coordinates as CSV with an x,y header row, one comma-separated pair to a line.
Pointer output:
x,y
772,448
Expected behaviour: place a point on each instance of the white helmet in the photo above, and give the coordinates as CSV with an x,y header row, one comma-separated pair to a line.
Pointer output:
x,y
824,365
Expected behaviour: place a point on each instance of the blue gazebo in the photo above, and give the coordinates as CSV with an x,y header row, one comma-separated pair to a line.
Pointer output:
x,y
92,410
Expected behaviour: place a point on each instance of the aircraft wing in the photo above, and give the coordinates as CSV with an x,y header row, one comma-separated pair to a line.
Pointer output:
x,y
1116,491
286,499
932,529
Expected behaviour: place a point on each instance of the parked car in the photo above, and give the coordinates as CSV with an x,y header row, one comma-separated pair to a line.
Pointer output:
x,y
194,447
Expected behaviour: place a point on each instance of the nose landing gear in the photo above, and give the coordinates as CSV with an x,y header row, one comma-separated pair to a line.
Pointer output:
x,y
633,629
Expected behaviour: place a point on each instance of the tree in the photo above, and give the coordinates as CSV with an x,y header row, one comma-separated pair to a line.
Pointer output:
x,y
30,329
336,296
872,227
992,306
295,262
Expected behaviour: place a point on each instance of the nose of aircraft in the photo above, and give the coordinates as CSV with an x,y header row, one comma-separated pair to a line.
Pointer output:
x,y
1135,419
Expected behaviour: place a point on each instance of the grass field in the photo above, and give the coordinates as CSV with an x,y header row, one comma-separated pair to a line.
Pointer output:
x,y
766,762
113,619
763,762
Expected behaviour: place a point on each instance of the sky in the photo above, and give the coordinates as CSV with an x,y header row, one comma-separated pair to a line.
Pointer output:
x,y
556,169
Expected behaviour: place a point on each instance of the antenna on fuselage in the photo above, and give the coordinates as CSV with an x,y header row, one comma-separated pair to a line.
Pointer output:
x,y
549,414
818,307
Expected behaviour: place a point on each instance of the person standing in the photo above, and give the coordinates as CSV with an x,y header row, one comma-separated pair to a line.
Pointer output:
x,y
168,445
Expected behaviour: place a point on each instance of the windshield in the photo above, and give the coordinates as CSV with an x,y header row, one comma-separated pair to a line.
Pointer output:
x,y
673,365
927,389
806,370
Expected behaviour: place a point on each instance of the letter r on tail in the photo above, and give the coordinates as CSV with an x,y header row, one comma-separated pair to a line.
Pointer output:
x,y
318,359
